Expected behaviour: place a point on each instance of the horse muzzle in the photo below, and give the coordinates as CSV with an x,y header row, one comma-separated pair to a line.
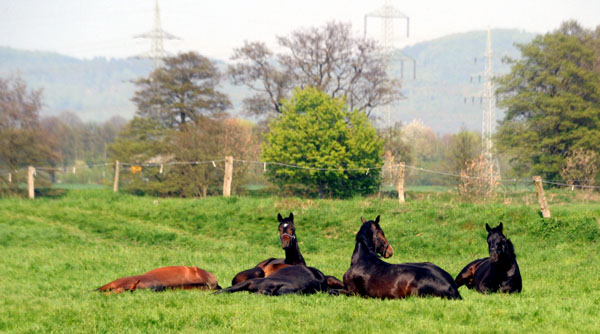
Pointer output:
x,y
286,240
494,257
389,251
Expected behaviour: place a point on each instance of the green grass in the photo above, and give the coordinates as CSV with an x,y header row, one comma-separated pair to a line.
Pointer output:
x,y
54,251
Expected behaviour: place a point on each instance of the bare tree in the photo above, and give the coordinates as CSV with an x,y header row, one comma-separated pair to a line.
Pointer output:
x,y
327,58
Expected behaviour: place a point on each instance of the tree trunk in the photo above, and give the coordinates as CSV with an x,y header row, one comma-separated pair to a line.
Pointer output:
x,y
321,189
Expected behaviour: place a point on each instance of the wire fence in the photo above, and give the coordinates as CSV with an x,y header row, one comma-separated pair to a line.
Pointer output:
x,y
102,175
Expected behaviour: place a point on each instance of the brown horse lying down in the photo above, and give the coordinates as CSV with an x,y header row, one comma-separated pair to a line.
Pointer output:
x,y
174,277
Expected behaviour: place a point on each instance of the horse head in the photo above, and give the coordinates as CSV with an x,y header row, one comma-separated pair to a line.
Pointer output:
x,y
287,230
499,247
372,235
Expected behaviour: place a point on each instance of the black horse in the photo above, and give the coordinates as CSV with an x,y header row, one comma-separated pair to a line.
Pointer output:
x,y
290,279
499,272
370,276
289,242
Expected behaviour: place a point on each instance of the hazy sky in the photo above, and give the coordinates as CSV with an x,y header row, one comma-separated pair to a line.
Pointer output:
x,y
85,28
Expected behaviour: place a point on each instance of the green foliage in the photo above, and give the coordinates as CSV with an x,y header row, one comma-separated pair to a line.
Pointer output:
x,y
181,120
552,96
316,130
22,141
56,251
464,147
180,91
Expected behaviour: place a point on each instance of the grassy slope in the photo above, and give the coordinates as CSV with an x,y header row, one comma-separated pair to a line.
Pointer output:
x,y
54,251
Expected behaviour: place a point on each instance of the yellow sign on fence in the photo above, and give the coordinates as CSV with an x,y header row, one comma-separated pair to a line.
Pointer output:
x,y
136,169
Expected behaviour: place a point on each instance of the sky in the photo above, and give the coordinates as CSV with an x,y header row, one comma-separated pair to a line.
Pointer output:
x,y
106,28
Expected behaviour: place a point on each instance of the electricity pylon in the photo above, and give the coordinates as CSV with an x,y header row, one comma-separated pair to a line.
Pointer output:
x,y
387,13
156,36
489,112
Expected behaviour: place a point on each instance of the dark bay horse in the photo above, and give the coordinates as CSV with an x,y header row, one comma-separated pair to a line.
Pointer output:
x,y
174,277
498,272
369,276
289,243
290,279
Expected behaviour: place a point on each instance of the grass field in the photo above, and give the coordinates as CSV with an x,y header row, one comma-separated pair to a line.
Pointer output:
x,y
53,252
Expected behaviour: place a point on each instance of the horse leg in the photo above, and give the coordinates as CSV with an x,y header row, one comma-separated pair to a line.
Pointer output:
x,y
249,285
466,276
334,283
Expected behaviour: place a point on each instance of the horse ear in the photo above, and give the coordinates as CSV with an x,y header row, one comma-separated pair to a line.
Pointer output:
x,y
362,220
377,220
291,217
279,218
500,227
487,227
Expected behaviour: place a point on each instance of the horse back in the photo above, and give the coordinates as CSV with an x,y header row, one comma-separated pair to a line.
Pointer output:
x,y
262,269
182,277
163,278
384,280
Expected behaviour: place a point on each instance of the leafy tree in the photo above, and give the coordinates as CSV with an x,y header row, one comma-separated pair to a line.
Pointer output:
x,y
181,118
181,91
22,141
552,96
327,58
464,147
316,130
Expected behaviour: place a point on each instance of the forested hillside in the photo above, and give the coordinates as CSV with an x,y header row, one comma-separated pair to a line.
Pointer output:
x,y
97,89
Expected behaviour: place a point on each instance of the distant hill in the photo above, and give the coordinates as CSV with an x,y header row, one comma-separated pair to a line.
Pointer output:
x,y
100,88
443,78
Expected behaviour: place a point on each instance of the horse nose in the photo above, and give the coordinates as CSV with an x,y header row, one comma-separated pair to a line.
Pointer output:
x,y
285,241
494,257
389,251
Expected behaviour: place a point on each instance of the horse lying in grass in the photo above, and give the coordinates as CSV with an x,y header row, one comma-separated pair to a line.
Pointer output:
x,y
174,277
370,276
289,243
498,272
290,279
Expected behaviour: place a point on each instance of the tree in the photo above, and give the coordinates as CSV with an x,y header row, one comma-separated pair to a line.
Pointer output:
x,y
22,141
552,96
181,118
179,92
464,147
327,58
316,130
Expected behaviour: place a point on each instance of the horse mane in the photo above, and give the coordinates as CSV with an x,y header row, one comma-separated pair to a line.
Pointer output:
x,y
365,235
511,249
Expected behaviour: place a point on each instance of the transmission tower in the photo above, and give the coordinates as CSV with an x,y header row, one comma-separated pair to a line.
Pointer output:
x,y
387,13
489,112
156,36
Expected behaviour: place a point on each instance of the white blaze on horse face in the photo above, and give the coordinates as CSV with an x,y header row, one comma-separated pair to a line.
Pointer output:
x,y
285,225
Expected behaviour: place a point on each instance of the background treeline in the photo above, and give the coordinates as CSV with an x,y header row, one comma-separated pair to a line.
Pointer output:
x,y
308,103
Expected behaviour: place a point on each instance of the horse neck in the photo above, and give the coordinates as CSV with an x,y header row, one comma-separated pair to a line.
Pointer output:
x,y
293,255
361,251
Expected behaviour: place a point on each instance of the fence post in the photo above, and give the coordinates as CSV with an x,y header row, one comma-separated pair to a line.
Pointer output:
x,y
228,176
539,190
400,182
30,183
117,169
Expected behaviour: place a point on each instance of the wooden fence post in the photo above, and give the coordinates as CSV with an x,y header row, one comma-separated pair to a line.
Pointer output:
x,y
400,182
117,169
30,182
539,190
228,176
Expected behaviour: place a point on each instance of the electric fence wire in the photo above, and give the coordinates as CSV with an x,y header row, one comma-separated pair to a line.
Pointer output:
x,y
287,165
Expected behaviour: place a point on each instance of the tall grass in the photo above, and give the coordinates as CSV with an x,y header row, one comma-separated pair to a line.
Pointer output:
x,y
53,252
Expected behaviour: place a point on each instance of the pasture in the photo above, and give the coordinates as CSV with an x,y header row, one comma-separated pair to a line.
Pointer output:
x,y
53,252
